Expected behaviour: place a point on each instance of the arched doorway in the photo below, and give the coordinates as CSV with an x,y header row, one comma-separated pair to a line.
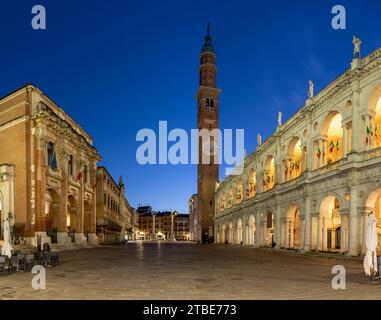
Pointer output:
x,y
293,232
329,224
71,219
52,209
230,235
239,231
373,204
251,237
269,230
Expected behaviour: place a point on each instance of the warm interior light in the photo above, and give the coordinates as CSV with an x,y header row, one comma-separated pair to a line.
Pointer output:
x,y
378,111
298,151
47,207
335,130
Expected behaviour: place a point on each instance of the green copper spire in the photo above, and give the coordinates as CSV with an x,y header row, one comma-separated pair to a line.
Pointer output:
x,y
208,47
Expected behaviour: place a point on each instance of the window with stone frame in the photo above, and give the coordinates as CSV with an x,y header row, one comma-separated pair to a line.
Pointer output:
x,y
51,156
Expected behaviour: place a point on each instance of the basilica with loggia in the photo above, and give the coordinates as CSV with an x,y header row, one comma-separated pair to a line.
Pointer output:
x,y
311,185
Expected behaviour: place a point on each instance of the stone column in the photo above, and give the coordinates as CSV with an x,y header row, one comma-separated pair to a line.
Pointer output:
x,y
62,235
41,171
291,234
283,235
343,222
353,223
41,187
324,151
153,236
277,229
309,145
314,232
364,218
356,123
344,143
319,234
308,220
79,235
173,238
321,159
92,237
367,136
245,185
302,233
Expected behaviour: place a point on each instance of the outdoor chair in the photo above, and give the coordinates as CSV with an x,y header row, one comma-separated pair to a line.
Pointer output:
x,y
5,264
54,258
46,261
39,258
15,264
30,261
22,261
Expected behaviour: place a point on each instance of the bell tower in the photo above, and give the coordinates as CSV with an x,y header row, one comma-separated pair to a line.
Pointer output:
x,y
207,99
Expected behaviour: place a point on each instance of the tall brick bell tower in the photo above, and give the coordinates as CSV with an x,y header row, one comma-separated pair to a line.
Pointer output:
x,y
207,98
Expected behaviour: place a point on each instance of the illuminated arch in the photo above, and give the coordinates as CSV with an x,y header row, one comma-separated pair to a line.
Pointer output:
x,y
373,204
239,192
293,164
252,184
293,227
268,180
332,131
329,224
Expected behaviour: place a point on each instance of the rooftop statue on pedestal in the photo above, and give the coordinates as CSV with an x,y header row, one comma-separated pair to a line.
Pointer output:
x,y
310,90
259,139
280,119
357,47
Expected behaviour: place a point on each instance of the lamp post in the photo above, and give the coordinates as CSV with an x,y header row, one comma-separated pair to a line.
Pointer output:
x,y
153,226
173,214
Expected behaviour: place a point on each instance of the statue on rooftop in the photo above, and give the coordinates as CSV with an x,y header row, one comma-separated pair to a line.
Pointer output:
x,y
311,89
280,118
357,47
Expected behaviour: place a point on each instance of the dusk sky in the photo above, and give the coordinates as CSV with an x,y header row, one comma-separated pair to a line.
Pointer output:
x,y
119,66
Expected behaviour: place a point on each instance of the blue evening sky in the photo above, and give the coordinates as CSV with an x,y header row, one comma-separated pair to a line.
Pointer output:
x,y
119,66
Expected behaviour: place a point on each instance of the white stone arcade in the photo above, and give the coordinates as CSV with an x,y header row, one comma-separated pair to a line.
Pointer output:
x,y
312,183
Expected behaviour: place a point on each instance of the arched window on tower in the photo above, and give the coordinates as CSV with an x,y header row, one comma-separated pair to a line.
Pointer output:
x,y
209,105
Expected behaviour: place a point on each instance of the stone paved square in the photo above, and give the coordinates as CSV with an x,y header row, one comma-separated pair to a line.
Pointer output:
x,y
190,271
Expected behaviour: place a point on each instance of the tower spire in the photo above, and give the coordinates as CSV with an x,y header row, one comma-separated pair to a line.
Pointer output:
x,y
208,47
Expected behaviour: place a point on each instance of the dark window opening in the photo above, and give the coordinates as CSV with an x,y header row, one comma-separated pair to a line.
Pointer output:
x,y
52,158
70,166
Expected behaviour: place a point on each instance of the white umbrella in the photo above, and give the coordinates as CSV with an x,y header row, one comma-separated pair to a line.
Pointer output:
x,y
370,260
6,250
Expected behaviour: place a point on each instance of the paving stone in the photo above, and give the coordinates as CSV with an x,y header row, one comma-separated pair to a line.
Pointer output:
x,y
186,271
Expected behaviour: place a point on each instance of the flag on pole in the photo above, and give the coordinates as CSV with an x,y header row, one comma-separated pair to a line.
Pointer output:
x,y
331,146
79,175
